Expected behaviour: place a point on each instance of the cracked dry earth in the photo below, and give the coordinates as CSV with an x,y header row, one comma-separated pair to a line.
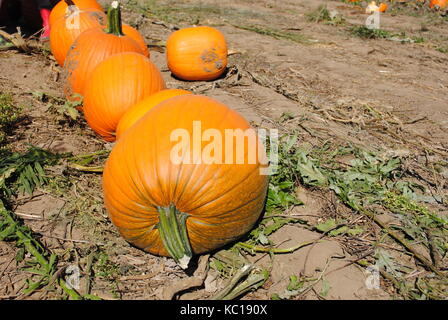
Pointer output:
x,y
268,76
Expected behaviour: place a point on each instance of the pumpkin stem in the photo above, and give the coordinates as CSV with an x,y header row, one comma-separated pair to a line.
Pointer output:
x,y
71,8
114,25
173,232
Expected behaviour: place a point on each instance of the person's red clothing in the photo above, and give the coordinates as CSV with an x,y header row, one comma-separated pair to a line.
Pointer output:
x,y
45,14
44,7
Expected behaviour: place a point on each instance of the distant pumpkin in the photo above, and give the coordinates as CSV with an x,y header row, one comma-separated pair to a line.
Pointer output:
x,y
438,4
382,7
198,53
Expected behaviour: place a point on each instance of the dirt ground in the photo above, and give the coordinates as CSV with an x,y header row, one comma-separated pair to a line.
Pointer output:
x,y
319,74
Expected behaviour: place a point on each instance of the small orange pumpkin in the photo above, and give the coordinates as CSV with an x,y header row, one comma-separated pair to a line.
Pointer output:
x,y
198,53
116,84
93,46
60,9
178,209
382,7
136,112
66,29
440,4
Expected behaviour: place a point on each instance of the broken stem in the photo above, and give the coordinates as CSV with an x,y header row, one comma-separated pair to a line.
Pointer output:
x,y
274,250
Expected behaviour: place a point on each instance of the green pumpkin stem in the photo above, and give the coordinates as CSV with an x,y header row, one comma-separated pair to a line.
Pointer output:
x,y
173,232
114,25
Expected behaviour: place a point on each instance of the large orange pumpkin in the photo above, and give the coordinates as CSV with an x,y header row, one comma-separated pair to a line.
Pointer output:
x,y
60,9
169,207
116,84
93,46
136,112
66,29
198,53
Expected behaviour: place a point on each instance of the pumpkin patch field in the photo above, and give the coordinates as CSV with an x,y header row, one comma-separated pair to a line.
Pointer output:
x,y
339,189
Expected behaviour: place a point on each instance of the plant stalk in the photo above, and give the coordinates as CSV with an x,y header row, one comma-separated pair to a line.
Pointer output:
x,y
97,169
274,250
173,232
114,25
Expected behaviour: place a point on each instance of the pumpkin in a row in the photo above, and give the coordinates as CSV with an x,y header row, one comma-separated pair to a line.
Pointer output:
x,y
116,85
173,203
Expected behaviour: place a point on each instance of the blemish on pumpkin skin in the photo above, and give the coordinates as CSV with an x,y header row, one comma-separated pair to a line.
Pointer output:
x,y
219,64
209,56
